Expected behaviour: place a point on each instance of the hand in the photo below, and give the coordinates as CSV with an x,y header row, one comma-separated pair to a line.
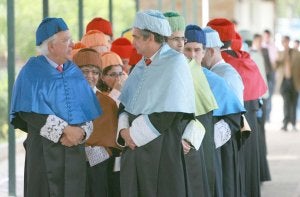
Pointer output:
x,y
64,141
186,147
72,136
125,134
120,82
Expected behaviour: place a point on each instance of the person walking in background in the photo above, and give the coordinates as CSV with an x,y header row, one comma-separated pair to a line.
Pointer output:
x,y
154,113
270,54
45,104
287,63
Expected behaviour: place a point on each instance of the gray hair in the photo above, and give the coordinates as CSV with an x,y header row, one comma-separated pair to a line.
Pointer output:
x,y
157,37
43,48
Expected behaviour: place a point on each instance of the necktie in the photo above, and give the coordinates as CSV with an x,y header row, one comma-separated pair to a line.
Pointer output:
x,y
59,68
148,61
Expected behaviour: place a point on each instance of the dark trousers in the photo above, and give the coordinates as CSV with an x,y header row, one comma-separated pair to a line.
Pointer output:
x,y
290,97
268,102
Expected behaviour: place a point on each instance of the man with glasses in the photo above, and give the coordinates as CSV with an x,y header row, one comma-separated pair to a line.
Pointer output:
x,y
54,104
177,24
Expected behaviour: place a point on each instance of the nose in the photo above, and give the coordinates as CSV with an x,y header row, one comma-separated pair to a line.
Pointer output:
x,y
71,44
193,54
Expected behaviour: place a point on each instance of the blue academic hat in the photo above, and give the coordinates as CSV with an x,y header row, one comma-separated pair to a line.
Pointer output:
x,y
49,27
194,33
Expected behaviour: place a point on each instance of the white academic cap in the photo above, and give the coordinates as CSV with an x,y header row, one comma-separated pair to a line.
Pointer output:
x,y
153,20
212,38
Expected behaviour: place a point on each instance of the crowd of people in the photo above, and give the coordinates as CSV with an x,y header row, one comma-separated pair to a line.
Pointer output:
x,y
167,109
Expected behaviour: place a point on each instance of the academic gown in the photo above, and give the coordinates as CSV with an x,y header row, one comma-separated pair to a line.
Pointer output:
x,y
156,167
200,163
226,157
230,157
52,169
46,161
255,87
205,182
264,165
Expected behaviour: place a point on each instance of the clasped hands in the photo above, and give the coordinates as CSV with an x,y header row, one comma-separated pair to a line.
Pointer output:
x,y
72,136
125,134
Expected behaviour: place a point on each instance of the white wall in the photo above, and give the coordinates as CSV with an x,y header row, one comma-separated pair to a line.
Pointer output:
x,y
255,15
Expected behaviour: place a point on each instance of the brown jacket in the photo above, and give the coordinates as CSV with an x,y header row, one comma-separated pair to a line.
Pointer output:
x,y
295,62
105,126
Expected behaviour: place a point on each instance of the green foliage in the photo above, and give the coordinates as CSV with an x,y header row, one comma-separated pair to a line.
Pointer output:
x,y
3,105
28,15
288,8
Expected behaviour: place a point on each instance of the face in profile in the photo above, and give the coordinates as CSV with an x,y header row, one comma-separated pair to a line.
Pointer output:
x,y
61,47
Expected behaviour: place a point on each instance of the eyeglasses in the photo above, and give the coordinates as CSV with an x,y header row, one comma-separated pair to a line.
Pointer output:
x,y
115,75
178,39
87,72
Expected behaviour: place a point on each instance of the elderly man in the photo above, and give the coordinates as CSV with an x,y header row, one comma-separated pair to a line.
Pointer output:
x,y
157,103
213,61
254,88
45,104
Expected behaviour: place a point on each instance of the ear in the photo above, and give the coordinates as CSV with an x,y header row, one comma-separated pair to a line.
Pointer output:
x,y
151,37
50,46
212,51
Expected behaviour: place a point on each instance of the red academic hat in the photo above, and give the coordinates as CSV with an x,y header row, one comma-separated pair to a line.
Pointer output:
x,y
224,27
134,58
122,47
100,24
236,43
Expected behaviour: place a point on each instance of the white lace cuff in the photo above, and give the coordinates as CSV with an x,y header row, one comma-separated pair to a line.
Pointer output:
x,y
88,129
53,128
96,154
222,133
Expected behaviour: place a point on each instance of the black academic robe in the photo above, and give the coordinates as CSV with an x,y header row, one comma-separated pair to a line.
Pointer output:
x,y
230,157
51,169
156,169
263,162
251,152
200,164
209,151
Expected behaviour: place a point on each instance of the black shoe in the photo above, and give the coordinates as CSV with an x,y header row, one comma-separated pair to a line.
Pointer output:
x,y
284,128
295,128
